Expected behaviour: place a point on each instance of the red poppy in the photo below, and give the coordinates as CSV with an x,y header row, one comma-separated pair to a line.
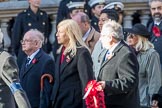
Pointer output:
x,y
94,96
34,61
156,31
67,59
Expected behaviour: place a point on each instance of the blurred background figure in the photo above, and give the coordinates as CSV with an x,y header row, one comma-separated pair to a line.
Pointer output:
x,y
73,67
90,35
75,7
149,63
107,14
96,8
31,18
157,99
119,7
63,9
34,66
10,87
136,17
155,26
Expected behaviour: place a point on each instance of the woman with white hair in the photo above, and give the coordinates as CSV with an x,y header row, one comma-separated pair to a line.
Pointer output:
x,y
149,63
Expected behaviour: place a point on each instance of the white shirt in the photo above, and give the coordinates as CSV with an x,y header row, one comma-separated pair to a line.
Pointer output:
x,y
86,35
112,48
33,55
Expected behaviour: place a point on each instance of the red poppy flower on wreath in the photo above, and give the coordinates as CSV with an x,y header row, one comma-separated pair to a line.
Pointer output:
x,y
94,96
34,61
156,31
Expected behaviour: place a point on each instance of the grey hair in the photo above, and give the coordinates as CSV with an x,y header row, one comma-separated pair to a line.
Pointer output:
x,y
115,28
85,18
38,35
150,1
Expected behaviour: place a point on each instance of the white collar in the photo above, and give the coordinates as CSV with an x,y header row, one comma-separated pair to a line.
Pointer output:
x,y
86,34
33,55
112,48
157,23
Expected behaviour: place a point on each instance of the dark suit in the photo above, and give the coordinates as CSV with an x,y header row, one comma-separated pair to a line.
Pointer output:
x,y
94,23
30,76
157,41
25,21
8,76
71,78
121,75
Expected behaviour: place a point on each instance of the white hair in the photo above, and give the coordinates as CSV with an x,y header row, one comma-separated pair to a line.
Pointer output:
x,y
115,29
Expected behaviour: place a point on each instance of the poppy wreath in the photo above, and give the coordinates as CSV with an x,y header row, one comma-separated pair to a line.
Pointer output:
x,y
156,31
94,96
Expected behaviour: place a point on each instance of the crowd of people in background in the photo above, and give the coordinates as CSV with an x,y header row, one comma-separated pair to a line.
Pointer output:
x,y
90,44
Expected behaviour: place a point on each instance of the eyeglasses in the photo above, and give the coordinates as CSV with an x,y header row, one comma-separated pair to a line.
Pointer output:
x,y
130,35
26,41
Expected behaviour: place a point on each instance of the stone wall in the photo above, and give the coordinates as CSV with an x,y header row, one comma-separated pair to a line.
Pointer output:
x,y
10,8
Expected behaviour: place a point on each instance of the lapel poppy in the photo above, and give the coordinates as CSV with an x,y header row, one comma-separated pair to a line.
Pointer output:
x,y
156,31
34,61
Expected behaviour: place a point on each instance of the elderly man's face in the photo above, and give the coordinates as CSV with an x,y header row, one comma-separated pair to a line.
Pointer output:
x,y
106,37
29,43
156,10
35,3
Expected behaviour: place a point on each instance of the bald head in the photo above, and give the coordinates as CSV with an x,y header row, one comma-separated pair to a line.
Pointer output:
x,y
81,17
83,21
34,34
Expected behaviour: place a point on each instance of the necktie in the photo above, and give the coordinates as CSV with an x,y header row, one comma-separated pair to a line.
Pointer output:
x,y
27,62
106,56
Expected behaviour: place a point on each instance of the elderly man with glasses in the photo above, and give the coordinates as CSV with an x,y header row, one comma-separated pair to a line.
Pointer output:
x,y
34,66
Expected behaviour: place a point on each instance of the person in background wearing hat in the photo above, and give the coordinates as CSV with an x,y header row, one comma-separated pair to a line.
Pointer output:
x,y
156,12
157,99
118,6
31,18
99,52
96,8
75,7
149,63
90,35
63,10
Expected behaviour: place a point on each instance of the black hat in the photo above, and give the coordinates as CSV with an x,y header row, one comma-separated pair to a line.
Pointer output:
x,y
139,29
111,14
